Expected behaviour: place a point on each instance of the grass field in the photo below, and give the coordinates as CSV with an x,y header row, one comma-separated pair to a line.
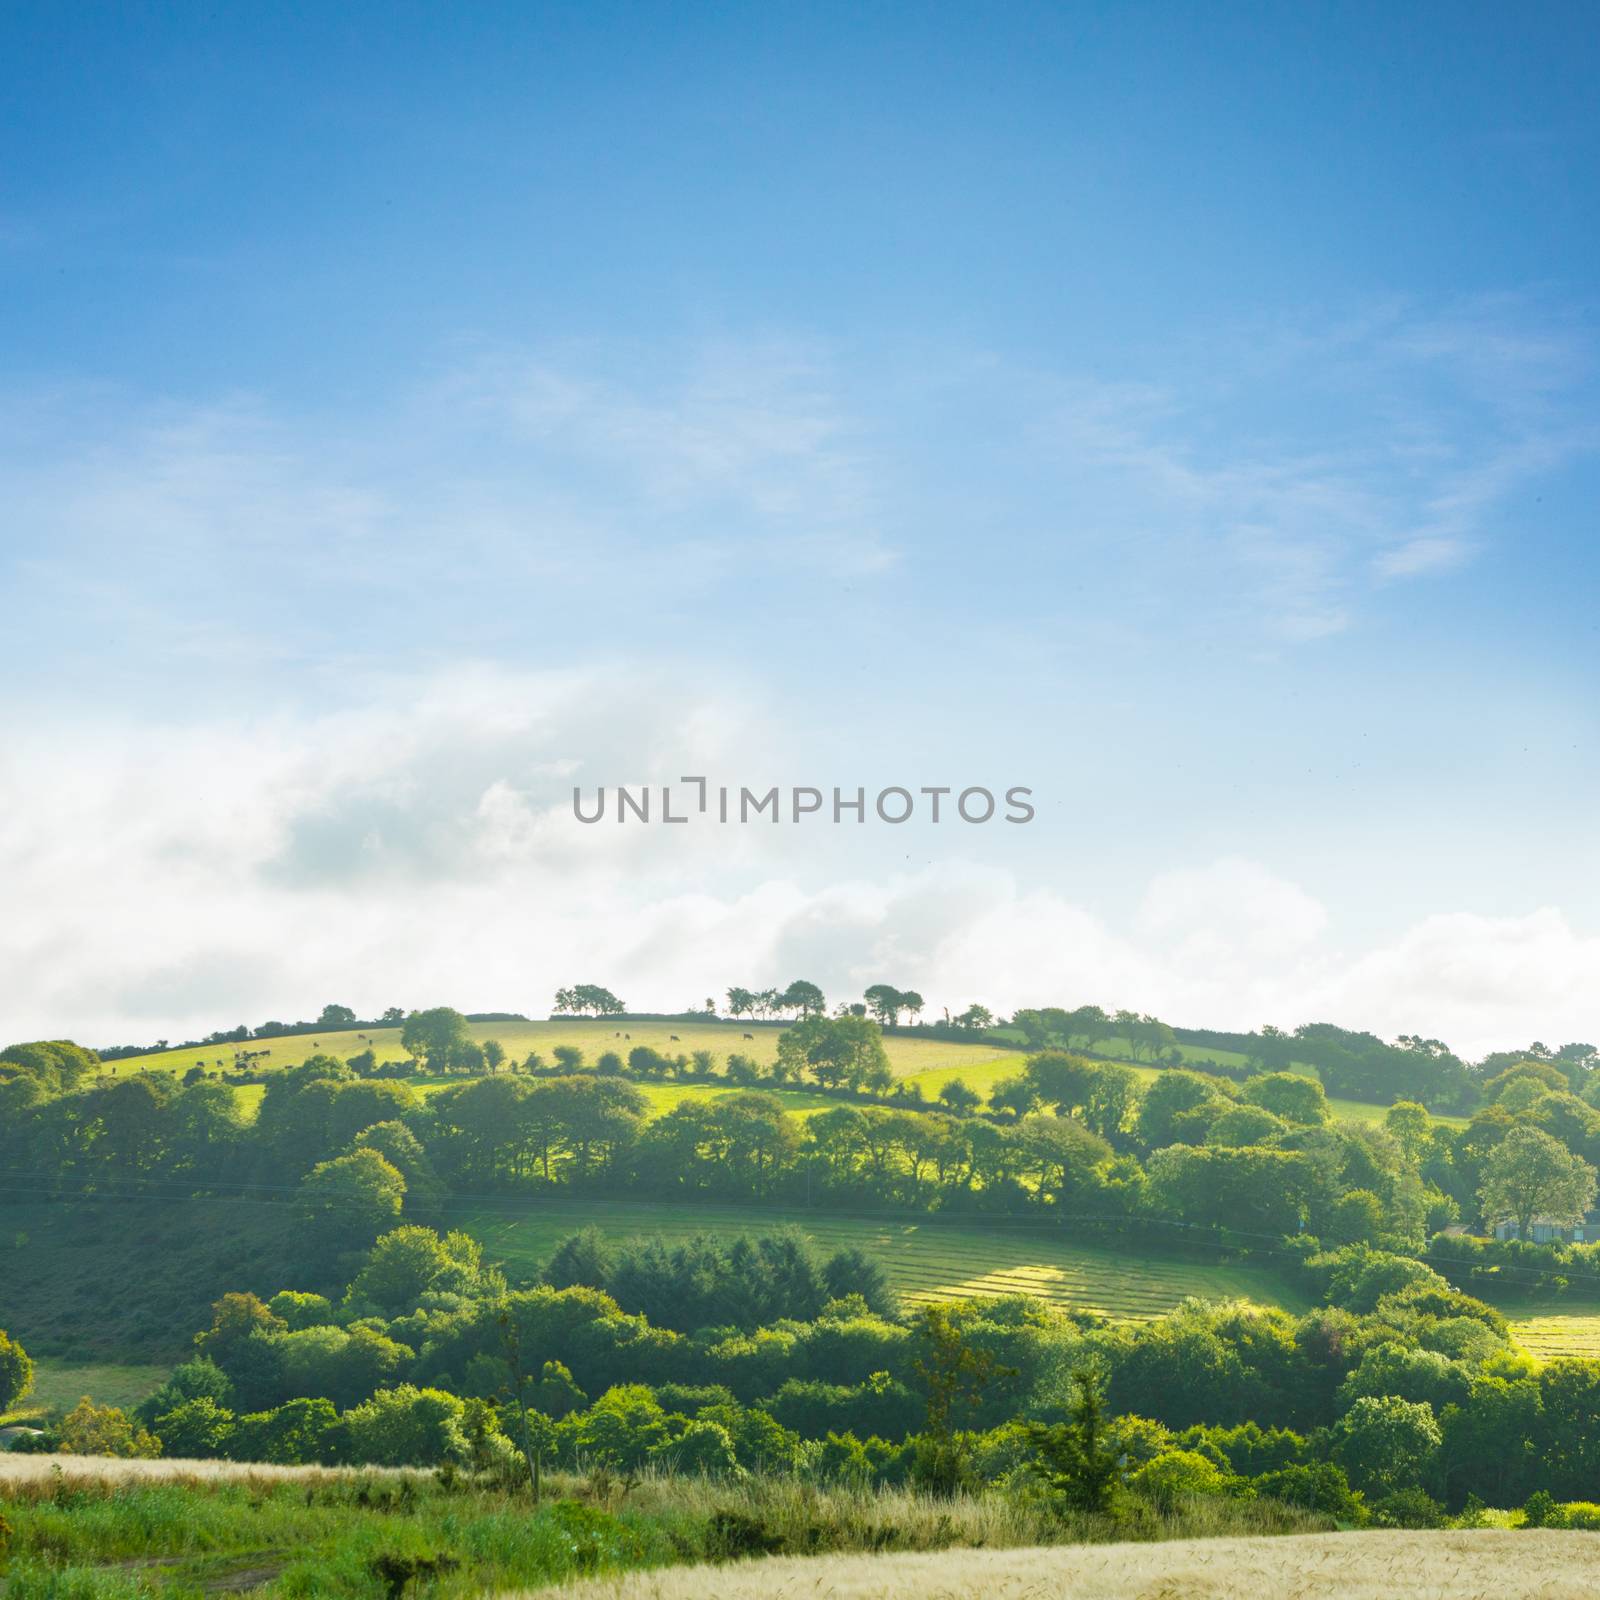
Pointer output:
x,y
931,1063
923,1260
62,1384
906,1056
1519,1565
1557,1330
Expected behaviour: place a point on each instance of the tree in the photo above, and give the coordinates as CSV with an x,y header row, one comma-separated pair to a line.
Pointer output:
x,y
804,997
741,1003
589,998
1386,1444
1290,1095
234,1318
1529,1176
336,1017
406,1427
954,1373
912,1002
16,1371
435,1037
834,1050
957,1097
885,1003
975,1018
348,1201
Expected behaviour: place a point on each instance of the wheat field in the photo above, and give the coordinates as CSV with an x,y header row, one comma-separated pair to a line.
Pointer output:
x,y
1474,1565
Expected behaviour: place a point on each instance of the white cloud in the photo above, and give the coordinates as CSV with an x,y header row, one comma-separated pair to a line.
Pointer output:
x,y
166,881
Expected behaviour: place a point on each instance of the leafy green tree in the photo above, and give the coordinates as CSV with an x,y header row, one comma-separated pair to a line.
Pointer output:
x,y
1178,1105
834,1050
956,1097
1014,1096
406,1427
804,997
954,1372
1290,1095
16,1371
346,1202
194,1430
1386,1444
885,1003
1061,1080
435,1036
408,1262
1411,1127
975,1018
336,1017
59,1063
586,999
1529,1176
234,1318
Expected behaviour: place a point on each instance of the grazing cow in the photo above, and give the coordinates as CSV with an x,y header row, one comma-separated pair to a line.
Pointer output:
x,y
749,1036
673,1037
627,1036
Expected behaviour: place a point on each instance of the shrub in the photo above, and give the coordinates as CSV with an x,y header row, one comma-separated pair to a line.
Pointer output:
x,y
1408,1508
1319,1486
1178,1475
91,1430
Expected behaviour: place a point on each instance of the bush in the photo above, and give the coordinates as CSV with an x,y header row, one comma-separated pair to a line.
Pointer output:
x,y
91,1430
1321,1486
1178,1475
406,1427
1408,1508
1582,1514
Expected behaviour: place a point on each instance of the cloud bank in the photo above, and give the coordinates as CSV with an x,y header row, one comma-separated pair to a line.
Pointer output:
x,y
420,849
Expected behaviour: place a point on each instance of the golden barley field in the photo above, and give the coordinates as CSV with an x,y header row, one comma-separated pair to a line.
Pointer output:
x,y
1486,1564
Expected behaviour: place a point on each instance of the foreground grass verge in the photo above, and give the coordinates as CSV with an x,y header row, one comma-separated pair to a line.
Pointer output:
x,y
91,1530
1347,1566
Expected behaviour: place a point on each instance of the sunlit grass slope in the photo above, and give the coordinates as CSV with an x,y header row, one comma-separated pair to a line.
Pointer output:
x,y
923,1260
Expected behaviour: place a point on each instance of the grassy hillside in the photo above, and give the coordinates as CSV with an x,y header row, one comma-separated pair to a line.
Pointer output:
x,y
130,1282
931,1063
924,1260
1343,1566
906,1056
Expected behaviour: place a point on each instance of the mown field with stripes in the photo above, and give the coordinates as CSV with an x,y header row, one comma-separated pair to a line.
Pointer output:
x,y
923,1260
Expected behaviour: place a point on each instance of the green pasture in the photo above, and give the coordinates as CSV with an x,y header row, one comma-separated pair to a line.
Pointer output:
x,y
923,1260
907,1057
1557,1330
60,1385
929,1062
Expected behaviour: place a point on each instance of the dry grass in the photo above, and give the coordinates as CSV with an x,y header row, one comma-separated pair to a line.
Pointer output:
x,y
18,1469
1346,1566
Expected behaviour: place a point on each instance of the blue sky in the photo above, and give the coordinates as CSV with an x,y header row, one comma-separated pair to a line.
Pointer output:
x,y
1190,412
